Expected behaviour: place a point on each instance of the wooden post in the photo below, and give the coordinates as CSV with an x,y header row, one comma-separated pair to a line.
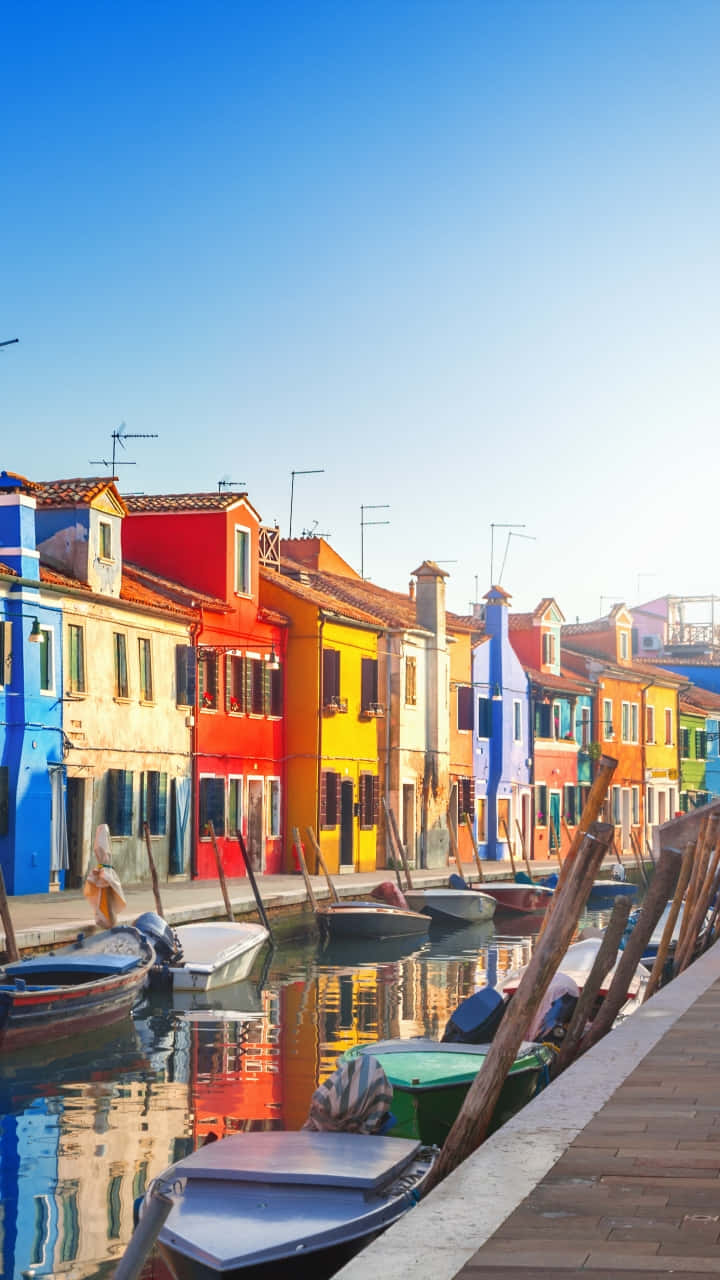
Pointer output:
x,y
708,830
699,910
322,864
144,1236
662,951
399,847
503,824
526,860
656,898
390,842
604,961
553,836
221,871
454,842
11,947
606,767
476,851
254,885
303,867
639,858
566,828
472,1123
153,871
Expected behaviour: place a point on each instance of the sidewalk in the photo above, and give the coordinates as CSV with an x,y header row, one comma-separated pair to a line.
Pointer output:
x,y
47,919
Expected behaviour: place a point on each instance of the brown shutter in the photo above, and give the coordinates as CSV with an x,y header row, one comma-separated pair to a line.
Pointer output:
x,y
201,680
247,683
323,799
375,799
228,681
267,690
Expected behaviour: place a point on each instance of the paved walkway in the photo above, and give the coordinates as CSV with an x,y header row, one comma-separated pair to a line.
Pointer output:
x,y
612,1172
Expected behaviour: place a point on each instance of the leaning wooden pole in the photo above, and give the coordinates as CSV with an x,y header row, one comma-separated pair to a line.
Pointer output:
x,y
604,961
454,844
254,885
511,852
476,850
221,872
397,842
639,859
303,867
523,846
11,947
322,863
704,897
658,968
153,871
472,1123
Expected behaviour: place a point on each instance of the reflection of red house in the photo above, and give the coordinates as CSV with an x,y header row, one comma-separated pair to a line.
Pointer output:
x,y
235,1077
213,542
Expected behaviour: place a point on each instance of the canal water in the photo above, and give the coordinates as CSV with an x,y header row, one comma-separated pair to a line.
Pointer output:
x,y
83,1133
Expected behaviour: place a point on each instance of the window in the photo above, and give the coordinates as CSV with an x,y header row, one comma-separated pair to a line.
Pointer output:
x,y
276,692
256,700
369,801
47,661
329,792
119,801
235,805
503,818
185,675
517,720
465,798
211,806
242,561
146,680
634,721
650,806
548,649
607,715
105,539
570,799
650,725
541,813
331,677
668,729
556,730
234,683
615,811
273,808
482,820
153,802
410,682
208,682
584,726
5,653
684,743
464,708
120,664
368,684
700,744
625,722
543,722
76,658
624,645
635,805
671,801
484,717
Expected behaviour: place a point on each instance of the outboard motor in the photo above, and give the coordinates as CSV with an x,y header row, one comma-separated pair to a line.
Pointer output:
x,y
163,938
476,1019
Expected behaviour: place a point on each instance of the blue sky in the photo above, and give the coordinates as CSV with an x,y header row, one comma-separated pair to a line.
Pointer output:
x,y
463,256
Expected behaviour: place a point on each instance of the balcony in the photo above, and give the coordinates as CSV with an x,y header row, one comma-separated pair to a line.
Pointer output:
x,y
335,706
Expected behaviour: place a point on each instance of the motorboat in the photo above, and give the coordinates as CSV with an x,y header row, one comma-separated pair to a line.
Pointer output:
x,y
202,956
451,905
513,895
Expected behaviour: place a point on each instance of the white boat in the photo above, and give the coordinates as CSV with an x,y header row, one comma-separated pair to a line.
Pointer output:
x,y
465,906
285,1204
215,953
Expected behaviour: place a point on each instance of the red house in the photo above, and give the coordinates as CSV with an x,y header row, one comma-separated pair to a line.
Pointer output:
x,y
234,673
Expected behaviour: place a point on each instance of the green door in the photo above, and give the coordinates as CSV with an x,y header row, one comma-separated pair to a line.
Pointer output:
x,y
555,819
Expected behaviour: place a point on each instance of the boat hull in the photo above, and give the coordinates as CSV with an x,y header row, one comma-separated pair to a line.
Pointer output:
x,y
605,892
216,954
370,920
525,898
460,906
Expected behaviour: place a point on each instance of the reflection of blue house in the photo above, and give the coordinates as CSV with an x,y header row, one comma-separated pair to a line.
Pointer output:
x,y
502,737
32,825
29,1190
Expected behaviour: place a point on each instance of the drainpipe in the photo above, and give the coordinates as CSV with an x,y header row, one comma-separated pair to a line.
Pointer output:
x,y
319,724
388,716
195,633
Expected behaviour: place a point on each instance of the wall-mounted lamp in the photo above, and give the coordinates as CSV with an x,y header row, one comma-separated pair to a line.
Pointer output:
x,y
496,693
272,662
36,634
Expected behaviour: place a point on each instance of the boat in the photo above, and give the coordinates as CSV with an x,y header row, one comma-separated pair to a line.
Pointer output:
x,y
576,965
384,915
449,905
354,953
68,992
511,895
202,956
285,1204
605,892
430,1079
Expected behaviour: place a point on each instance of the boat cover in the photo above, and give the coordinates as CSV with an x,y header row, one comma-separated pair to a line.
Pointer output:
x,y
95,963
356,1098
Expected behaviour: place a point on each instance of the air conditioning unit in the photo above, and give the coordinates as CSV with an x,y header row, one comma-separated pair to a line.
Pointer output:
x,y
651,644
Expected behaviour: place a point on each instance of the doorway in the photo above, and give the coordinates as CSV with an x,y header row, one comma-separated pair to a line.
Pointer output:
x,y
255,840
408,820
555,820
346,823
625,815
75,810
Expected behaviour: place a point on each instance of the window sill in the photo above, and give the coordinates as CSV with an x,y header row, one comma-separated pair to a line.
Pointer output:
x,y
213,710
121,698
76,695
146,702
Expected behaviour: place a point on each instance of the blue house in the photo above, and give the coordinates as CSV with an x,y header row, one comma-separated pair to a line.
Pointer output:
x,y
501,744
33,839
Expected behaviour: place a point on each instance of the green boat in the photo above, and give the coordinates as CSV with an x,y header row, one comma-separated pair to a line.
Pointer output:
x,y
430,1080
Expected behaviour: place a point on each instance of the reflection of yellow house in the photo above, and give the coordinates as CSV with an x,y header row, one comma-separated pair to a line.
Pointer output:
x,y
334,714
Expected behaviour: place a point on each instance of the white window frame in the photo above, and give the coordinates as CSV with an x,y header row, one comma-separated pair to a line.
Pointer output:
x,y
517,720
650,806
670,741
635,722
624,645
51,690
625,722
607,720
271,784
80,628
243,583
585,722
635,806
143,698
616,806
238,780
105,524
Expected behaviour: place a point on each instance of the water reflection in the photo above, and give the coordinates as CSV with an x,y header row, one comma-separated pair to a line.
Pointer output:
x,y
81,1135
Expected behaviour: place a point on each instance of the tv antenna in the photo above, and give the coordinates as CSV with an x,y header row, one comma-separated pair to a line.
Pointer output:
x,y
530,537
119,436
8,342
373,506
493,527
314,471
230,484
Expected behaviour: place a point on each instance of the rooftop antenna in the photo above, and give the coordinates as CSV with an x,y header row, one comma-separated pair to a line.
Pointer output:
x,y
119,436
530,537
8,342
493,527
230,484
373,506
314,471
616,599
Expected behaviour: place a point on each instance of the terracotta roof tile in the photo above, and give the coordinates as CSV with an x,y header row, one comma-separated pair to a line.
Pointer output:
x,y
704,699
161,503
5,568
563,683
72,493
135,576
303,590
164,598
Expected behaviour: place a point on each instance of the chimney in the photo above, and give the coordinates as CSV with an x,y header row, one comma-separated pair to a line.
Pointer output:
x,y
411,589
430,599
17,526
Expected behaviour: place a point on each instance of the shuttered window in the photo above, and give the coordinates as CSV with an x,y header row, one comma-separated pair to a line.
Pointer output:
x,y
466,798
570,804
465,708
146,676
484,727
153,802
369,684
329,792
120,663
331,676
119,801
685,743
5,653
541,812
208,681
276,692
369,791
211,806
410,682
256,686
76,658
185,675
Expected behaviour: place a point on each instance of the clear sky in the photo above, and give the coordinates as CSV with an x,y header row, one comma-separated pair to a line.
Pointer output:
x,y
461,255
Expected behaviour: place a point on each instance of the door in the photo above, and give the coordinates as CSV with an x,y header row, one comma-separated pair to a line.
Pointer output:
x,y
255,825
555,819
408,820
525,820
346,822
626,817
662,806
75,809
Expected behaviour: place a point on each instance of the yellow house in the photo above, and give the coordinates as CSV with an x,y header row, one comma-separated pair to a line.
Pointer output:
x,y
661,738
334,715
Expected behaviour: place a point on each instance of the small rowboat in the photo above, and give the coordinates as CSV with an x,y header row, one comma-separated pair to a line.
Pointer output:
x,y
347,919
604,893
452,906
89,984
513,896
216,953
